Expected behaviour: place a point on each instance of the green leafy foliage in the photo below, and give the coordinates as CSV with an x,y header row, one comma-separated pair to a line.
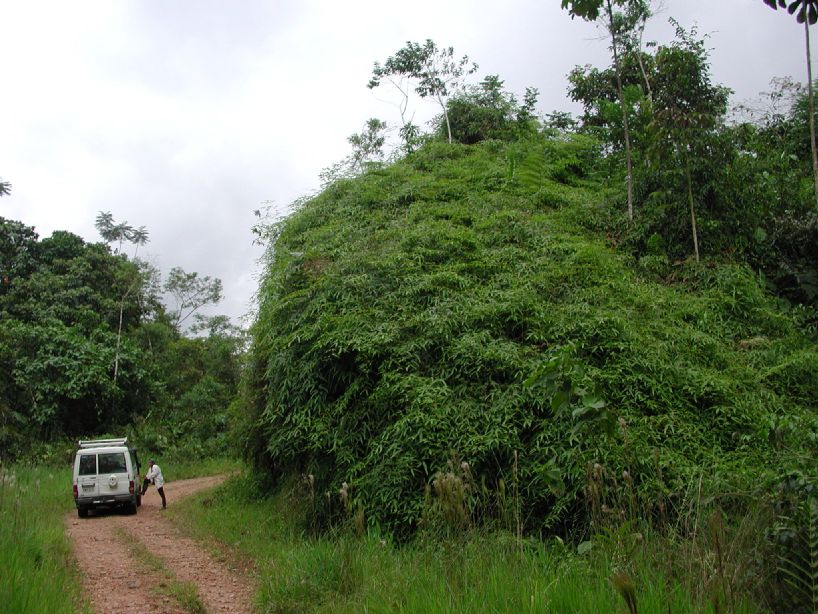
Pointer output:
x,y
191,292
799,565
750,182
87,348
483,112
446,305
61,302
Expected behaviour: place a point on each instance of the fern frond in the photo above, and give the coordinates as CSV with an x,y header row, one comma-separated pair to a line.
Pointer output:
x,y
531,170
799,566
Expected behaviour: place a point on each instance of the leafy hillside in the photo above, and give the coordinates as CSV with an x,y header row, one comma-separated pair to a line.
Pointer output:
x,y
456,312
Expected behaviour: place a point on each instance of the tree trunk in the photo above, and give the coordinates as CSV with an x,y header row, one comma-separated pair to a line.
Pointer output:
x,y
811,108
642,64
119,330
621,93
446,116
118,339
692,208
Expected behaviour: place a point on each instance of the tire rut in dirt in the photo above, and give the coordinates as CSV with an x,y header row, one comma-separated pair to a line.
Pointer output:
x,y
112,579
116,582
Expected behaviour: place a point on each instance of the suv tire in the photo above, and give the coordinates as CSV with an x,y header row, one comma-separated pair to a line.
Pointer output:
x,y
82,512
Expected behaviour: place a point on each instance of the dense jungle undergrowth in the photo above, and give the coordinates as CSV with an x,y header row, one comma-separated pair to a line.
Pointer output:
x,y
459,342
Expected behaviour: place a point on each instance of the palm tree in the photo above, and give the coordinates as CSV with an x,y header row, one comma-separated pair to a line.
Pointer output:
x,y
806,12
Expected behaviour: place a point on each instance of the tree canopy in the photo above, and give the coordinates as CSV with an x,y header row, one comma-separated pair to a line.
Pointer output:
x,y
435,72
87,347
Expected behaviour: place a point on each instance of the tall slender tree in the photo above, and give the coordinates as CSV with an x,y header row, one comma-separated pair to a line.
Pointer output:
x,y
112,232
806,12
636,11
191,292
436,72
687,110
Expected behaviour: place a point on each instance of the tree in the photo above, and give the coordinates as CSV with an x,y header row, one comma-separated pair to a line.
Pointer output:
x,y
191,292
486,111
806,13
774,190
5,188
637,12
59,337
367,150
437,72
687,109
18,247
367,147
112,232
596,89
634,20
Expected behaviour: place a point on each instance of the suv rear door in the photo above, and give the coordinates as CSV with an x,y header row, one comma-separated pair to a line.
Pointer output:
x,y
87,482
112,469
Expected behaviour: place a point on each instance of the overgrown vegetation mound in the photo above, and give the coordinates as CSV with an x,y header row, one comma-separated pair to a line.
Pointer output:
x,y
449,335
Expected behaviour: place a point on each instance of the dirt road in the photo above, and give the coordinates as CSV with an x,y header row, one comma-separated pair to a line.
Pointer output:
x,y
136,564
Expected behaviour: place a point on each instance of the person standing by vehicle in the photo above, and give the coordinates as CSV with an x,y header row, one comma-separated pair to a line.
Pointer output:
x,y
154,476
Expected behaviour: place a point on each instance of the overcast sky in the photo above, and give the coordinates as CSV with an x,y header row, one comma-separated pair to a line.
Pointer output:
x,y
185,115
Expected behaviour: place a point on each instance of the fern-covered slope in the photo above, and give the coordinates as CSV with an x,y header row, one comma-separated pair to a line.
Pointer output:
x,y
455,305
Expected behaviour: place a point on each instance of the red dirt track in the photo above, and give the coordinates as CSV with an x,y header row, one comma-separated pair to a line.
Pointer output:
x,y
114,582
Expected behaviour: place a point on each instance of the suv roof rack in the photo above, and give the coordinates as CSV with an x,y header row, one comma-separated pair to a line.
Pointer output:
x,y
100,443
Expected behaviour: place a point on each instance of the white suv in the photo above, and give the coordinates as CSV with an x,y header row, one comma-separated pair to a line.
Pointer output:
x,y
106,474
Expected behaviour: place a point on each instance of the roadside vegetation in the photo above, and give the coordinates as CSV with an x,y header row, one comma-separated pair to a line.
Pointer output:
x,y
479,337
355,569
37,571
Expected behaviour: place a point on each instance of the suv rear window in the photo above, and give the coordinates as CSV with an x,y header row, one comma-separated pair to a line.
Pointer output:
x,y
112,462
88,464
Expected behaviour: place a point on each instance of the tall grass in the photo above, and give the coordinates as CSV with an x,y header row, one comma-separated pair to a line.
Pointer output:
x,y
37,570
478,571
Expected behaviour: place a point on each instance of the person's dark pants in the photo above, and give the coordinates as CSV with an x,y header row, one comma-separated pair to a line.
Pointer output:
x,y
160,490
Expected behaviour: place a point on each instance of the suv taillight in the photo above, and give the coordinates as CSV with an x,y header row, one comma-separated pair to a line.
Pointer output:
x,y
130,487
76,492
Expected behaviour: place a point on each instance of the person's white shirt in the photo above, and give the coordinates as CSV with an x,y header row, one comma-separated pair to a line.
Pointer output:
x,y
155,475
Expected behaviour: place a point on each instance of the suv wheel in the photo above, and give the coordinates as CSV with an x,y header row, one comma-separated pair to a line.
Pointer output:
x,y
82,512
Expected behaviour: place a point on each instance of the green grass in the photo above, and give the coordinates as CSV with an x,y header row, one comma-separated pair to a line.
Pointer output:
x,y
37,567
476,572
182,469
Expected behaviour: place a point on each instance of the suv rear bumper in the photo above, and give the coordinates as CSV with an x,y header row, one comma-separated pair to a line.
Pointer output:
x,y
105,500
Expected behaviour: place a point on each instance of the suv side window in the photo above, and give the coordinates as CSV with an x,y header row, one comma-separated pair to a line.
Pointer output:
x,y
112,462
88,464
134,460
